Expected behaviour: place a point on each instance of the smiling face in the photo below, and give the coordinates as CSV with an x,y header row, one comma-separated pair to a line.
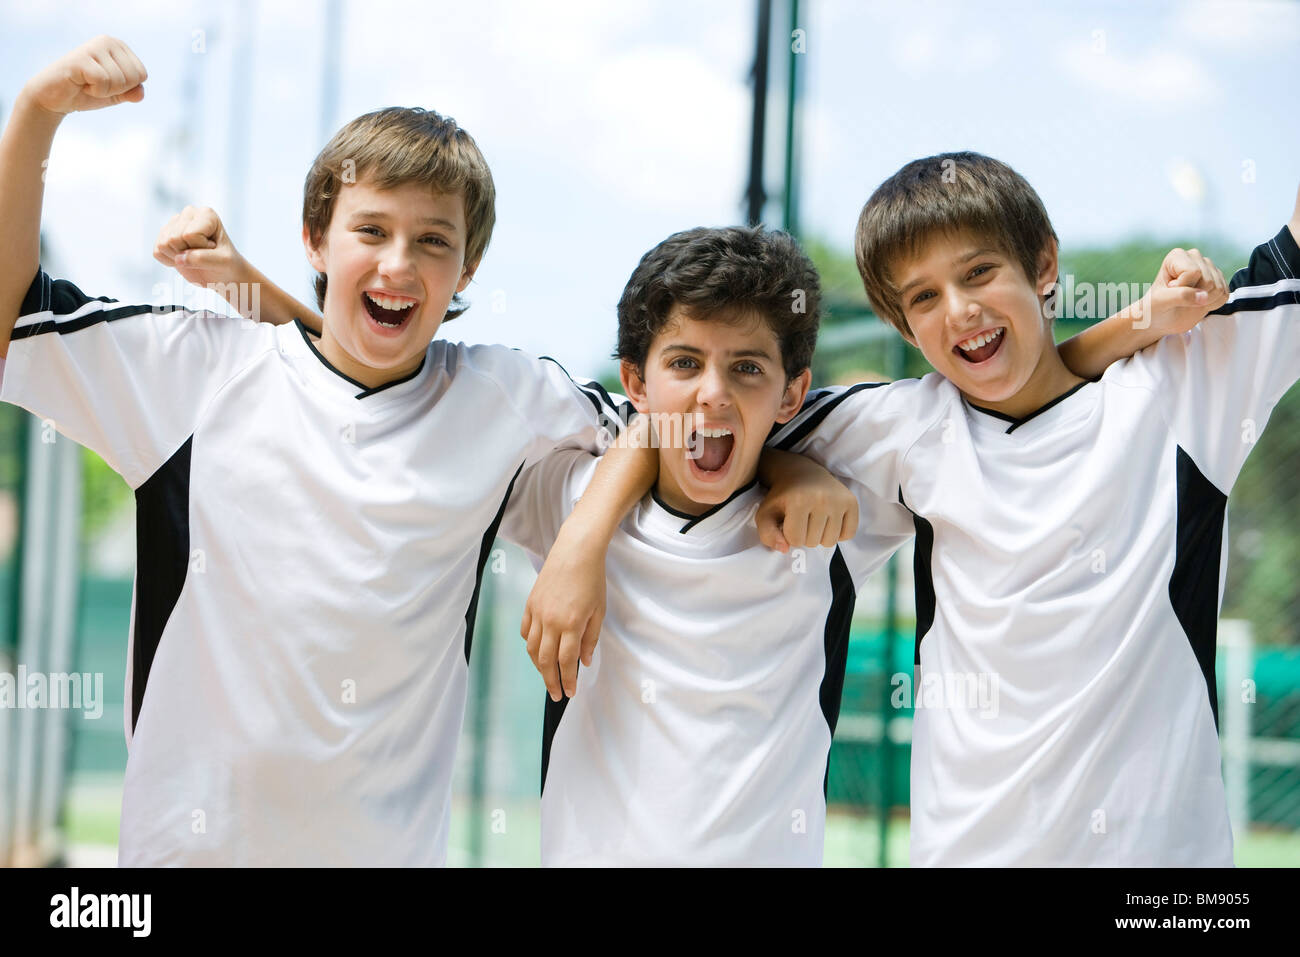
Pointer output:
x,y
394,258
979,321
726,378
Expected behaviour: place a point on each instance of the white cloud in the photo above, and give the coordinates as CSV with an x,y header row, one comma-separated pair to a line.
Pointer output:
x,y
1152,77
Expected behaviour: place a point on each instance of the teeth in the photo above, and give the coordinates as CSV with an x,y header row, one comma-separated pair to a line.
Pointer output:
x,y
982,339
712,433
389,303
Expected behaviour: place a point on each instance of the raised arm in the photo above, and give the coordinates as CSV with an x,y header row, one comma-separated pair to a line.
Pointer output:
x,y
196,245
1188,287
103,72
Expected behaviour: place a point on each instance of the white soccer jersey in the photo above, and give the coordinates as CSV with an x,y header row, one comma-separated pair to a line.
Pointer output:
x,y
699,736
309,558
1069,572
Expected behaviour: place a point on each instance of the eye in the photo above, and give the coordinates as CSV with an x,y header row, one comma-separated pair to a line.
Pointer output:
x,y
749,368
980,270
682,362
921,297
435,241
370,230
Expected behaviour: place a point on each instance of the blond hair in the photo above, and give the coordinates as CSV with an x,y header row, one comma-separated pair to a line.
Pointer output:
x,y
395,146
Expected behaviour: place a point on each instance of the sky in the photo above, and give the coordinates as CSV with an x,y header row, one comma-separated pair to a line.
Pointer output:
x,y
609,126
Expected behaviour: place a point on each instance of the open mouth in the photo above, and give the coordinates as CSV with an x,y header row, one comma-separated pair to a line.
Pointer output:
x,y
981,348
389,313
709,452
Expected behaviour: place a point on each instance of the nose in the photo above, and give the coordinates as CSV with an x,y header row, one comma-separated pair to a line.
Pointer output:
x,y
396,263
963,310
713,391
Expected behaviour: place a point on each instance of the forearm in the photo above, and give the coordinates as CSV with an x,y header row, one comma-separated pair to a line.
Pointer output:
x,y
277,306
24,149
775,467
1090,353
622,479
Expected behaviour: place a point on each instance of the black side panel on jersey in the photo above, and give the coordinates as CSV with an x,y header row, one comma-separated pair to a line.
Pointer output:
x,y
922,575
162,535
836,636
550,722
1194,584
484,550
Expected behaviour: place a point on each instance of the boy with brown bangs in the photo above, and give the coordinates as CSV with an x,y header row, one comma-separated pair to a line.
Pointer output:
x,y
1069,533
310,543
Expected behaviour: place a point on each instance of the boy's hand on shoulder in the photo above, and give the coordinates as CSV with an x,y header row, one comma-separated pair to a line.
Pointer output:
x,y
805,506
1188,287
196,245
103,72
564,612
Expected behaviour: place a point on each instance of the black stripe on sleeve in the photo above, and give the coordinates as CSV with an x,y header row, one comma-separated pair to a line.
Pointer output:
x,y
835,637
92,318
485,548
1194,582
62,298
162,532
818,415
1270,262
1287,297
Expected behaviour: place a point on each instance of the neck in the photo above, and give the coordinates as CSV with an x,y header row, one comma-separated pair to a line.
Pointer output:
x,y
368,376
1049,380
672,496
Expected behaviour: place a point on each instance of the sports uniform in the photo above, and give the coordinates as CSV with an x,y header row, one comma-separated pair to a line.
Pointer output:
x,y
1069,572
700,733
309,559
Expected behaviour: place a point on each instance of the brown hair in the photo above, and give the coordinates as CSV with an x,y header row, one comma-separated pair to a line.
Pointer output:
x,y
943,194
724,273
395,146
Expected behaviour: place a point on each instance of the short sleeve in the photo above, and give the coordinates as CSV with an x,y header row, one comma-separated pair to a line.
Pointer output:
x,y
557,410
543,496
862,432
1219,382
883,527
127,381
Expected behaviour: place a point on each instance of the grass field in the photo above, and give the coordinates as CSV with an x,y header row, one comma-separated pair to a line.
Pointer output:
x,y
852,840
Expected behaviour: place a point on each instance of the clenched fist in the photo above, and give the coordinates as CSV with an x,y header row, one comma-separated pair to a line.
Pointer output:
x,y
103,72
195,244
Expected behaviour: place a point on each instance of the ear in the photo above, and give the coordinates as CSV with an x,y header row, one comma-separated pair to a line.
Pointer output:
x,y
633,385
466,276
313,254
1048,266
795,392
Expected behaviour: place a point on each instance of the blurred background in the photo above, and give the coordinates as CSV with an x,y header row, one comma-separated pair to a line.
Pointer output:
x,y
609,126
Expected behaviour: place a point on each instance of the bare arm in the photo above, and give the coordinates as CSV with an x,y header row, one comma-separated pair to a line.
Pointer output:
x,y
196,245
103,72
564,611
1187,287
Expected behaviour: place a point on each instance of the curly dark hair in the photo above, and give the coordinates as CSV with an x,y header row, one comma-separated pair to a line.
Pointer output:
x,y
724,273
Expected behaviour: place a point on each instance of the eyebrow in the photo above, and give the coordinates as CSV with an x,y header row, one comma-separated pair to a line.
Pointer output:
x,y
961,260
737,354
423,220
